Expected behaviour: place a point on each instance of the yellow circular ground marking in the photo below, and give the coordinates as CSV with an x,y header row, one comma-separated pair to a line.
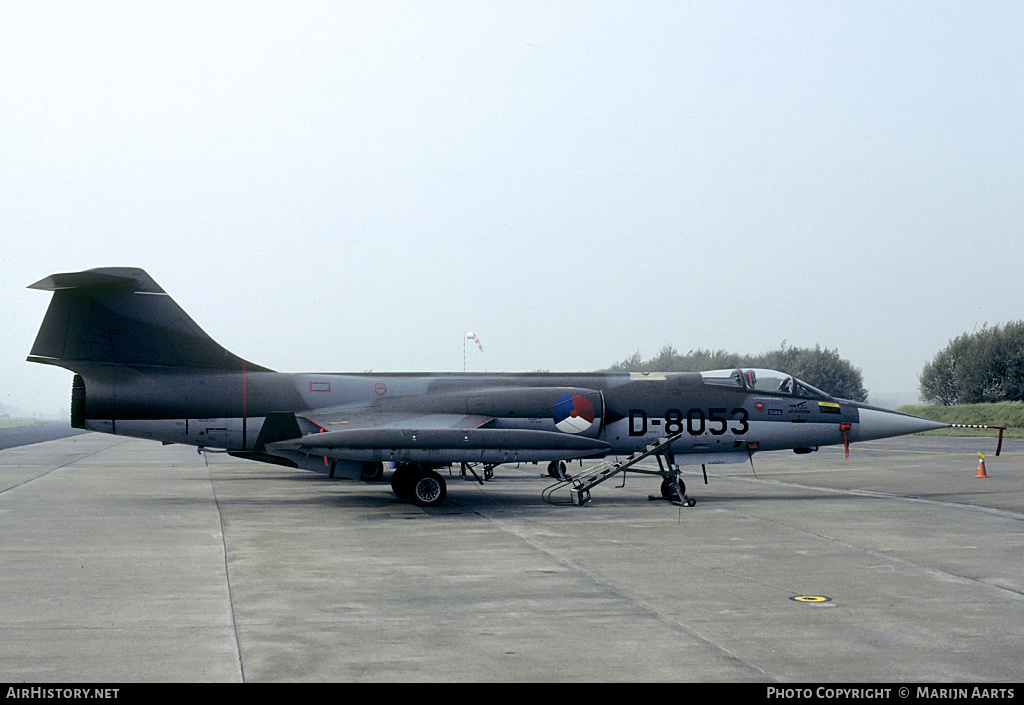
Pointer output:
x,y
811,598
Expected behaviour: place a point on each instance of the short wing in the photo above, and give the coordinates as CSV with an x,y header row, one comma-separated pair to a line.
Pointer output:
x,y
435,438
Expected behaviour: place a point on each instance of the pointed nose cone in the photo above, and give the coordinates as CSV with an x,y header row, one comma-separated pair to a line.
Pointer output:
x,y
883,423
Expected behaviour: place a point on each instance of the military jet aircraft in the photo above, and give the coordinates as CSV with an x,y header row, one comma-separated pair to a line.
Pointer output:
x,y
143,368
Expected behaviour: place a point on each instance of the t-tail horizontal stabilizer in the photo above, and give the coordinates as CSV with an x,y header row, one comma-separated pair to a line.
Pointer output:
x,y
120,316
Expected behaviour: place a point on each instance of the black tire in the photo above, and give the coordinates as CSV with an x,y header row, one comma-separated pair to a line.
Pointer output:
x,y
371,471
401,481
428,489
556,469
668,489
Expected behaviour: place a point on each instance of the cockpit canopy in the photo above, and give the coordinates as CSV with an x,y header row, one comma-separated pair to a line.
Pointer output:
x,y
759,380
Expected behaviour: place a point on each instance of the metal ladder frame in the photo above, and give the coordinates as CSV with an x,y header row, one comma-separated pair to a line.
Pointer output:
x,y
591,477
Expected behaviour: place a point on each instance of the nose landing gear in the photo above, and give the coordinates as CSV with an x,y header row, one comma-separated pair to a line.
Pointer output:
x,y
672,486
674,490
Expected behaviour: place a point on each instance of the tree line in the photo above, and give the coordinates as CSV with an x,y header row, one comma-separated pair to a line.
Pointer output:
x,y
979,367
819,367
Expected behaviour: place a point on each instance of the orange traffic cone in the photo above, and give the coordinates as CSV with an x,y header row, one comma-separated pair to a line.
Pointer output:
x,y
981,466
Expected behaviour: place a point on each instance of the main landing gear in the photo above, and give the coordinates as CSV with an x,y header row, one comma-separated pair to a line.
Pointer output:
x,y
372,472
416,482
556,469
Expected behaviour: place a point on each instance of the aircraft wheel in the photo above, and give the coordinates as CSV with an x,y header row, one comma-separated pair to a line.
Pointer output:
x,y
556,469
428,489
371,472
401,481
668,489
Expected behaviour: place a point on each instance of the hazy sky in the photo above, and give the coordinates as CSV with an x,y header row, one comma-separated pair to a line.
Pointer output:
x,y
351,186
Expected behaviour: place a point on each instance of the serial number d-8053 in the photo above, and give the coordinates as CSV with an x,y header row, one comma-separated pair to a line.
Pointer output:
x,y
695,421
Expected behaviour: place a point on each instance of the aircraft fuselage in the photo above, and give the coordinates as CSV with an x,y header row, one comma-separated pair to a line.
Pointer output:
x,y
228,410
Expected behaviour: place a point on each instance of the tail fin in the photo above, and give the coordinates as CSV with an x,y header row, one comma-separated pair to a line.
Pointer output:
x,y
120,316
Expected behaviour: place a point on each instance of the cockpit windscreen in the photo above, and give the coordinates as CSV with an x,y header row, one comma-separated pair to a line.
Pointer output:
x,y
760,380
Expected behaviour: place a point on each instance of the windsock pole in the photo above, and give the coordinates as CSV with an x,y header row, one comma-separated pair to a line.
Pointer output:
x,y
469,336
